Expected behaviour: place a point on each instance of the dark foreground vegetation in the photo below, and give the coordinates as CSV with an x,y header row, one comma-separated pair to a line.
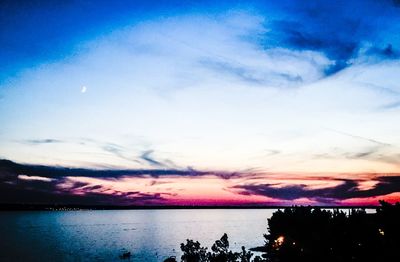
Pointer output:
x,y
313,234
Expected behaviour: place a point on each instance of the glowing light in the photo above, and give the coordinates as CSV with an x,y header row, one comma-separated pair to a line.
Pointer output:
x,y
279,242
381,232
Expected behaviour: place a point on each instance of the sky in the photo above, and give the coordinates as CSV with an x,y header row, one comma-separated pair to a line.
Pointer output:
x,y
200,103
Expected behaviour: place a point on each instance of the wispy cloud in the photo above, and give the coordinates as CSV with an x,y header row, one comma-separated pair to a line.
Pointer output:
x,y
42,141
375,150
118,151
254,75
394,105
371,140
147,156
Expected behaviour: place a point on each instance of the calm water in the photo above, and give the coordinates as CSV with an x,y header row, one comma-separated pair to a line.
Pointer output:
x,y
151,235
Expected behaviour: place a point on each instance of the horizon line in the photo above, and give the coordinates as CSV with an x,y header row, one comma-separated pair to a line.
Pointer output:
x,y
71,207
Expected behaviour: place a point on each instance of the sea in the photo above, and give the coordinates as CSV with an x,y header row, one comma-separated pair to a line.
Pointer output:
x,y
103,235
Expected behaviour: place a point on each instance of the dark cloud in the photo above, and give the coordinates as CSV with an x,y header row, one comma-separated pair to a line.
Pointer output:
x,y
43,184
156,183
7,166
40,192
339,29
293,192
21,183
10,167
14,189
383,52
346,190
94,187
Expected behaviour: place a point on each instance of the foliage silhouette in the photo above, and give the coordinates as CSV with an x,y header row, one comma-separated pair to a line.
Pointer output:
x,y
193,252
314,234
221,252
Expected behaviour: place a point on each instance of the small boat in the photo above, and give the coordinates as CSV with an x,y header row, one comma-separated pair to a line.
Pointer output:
x,y
126,255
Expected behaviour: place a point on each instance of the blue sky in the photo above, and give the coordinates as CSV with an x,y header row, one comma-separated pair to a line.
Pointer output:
x,y
288,88
40,31
37,31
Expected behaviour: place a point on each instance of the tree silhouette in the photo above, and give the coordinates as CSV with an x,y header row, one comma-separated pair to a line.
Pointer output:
x,y
313,234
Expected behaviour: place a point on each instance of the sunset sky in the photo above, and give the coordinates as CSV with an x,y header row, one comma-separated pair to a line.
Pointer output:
x,y
199,102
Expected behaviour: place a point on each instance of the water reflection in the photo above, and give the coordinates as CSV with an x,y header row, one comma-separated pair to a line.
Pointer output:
x,y
150,235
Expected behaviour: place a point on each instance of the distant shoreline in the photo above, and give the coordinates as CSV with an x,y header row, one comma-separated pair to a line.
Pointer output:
x,y
43,207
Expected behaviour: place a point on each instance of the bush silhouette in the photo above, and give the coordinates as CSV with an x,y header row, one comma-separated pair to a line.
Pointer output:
x,y
221,252
194,252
